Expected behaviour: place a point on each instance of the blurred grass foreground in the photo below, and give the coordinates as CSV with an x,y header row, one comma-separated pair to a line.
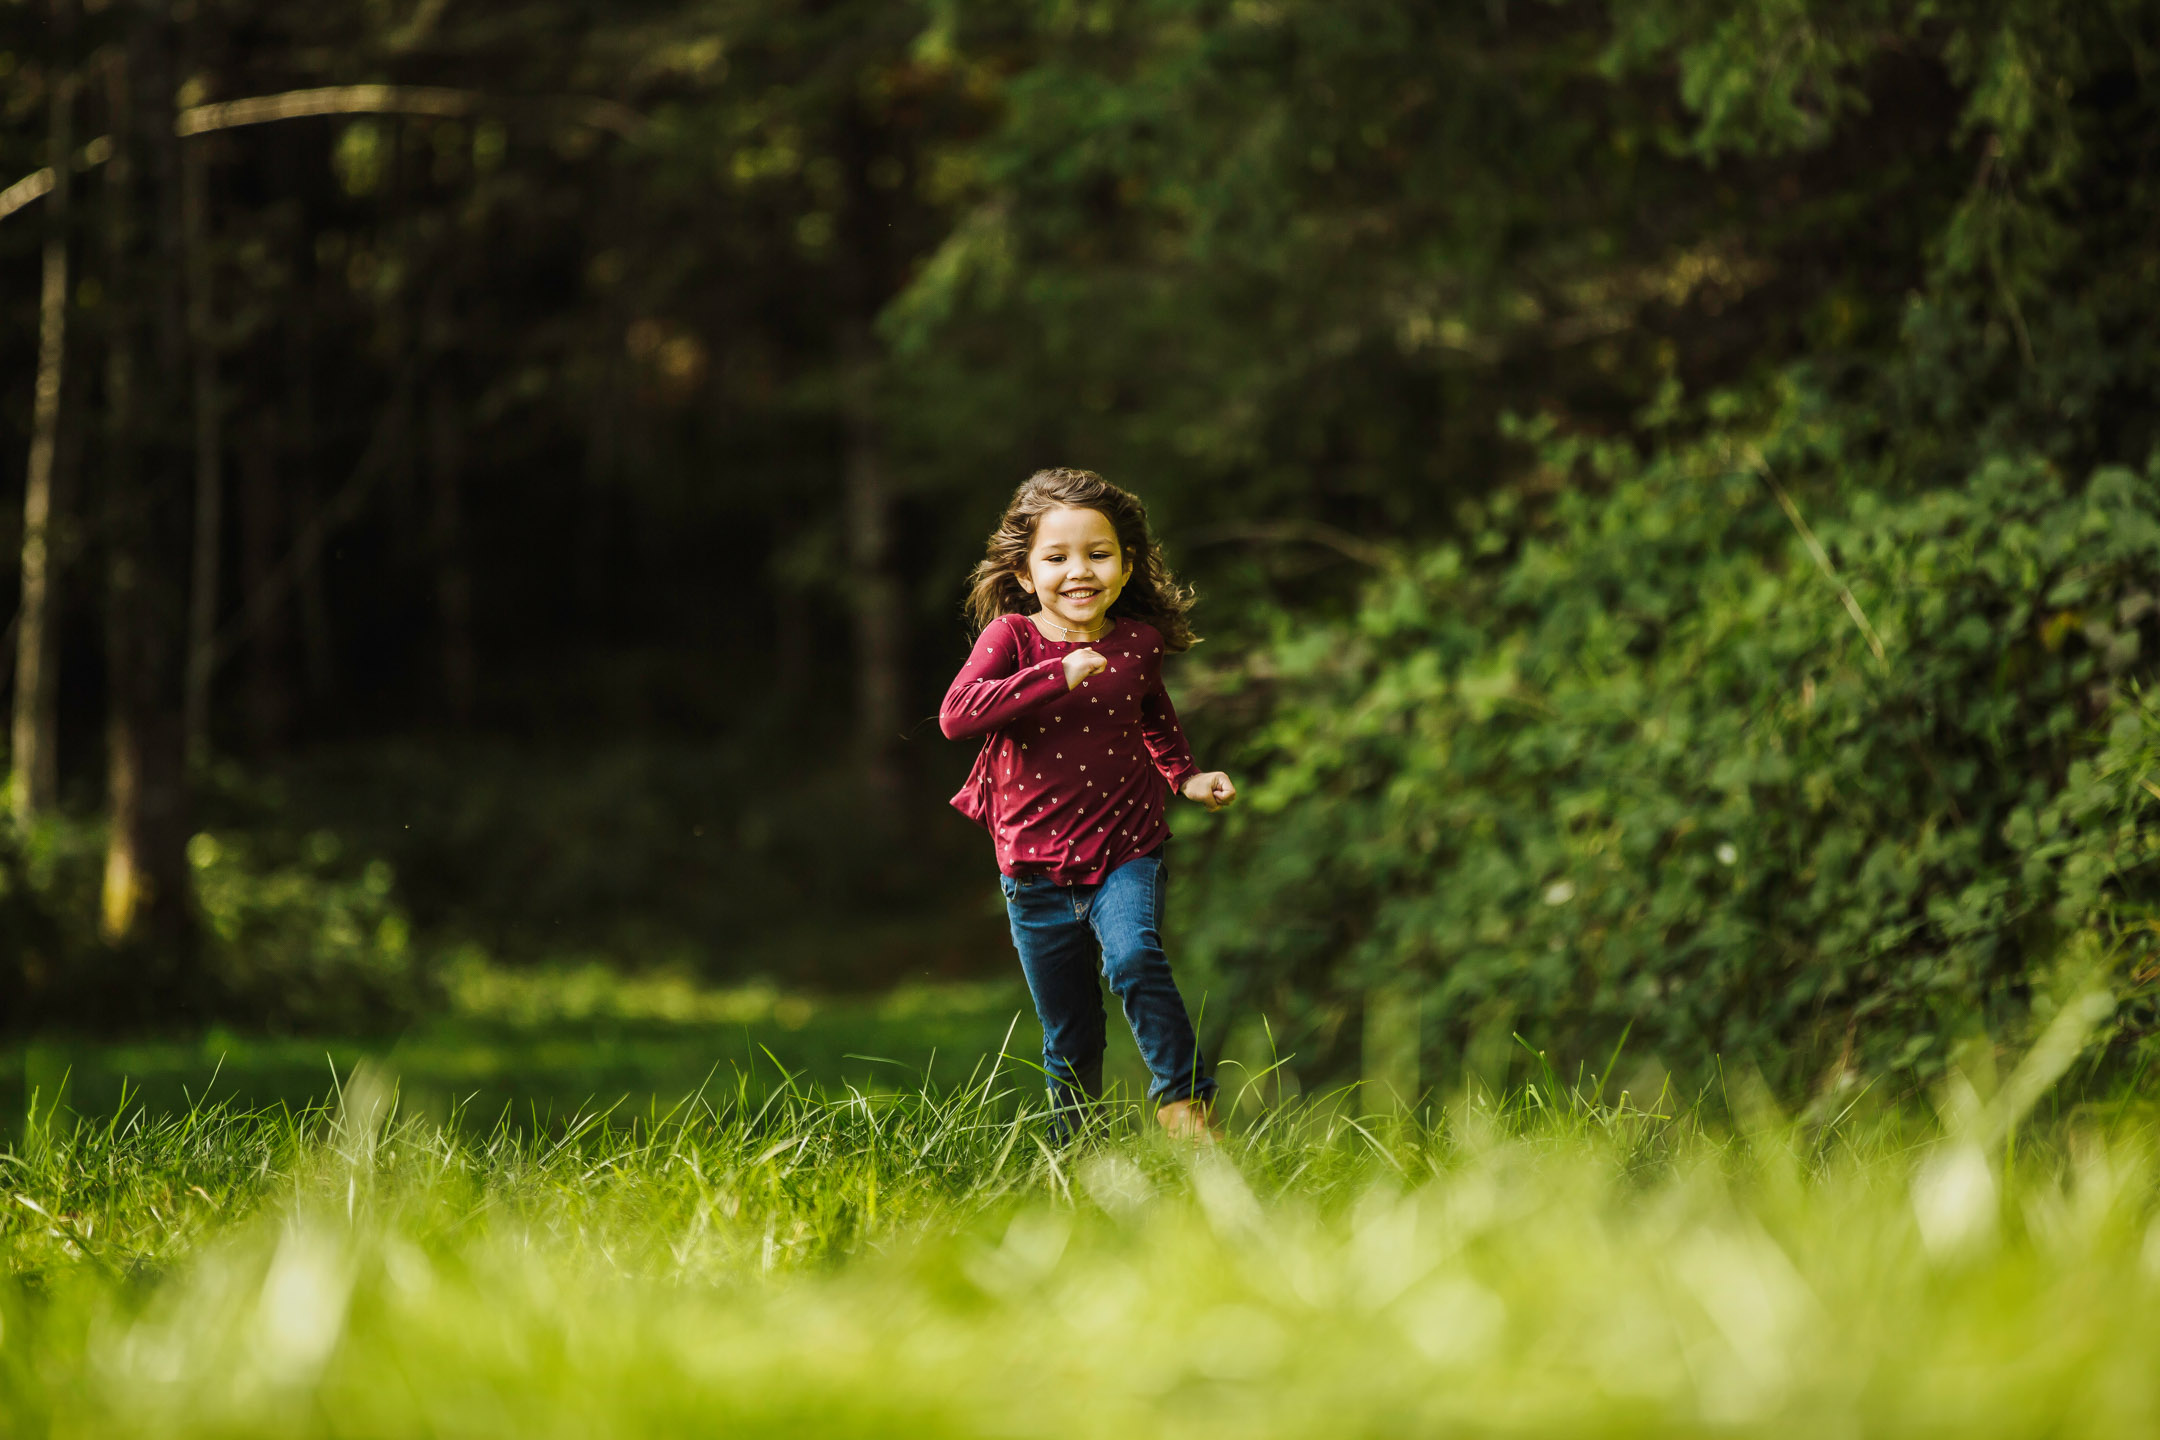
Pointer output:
x,y
837,1262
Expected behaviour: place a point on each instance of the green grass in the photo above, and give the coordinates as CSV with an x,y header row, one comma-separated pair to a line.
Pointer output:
x,y
549,1043
798,1262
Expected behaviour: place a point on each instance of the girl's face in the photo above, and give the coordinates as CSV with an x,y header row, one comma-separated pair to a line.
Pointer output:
x,y
1075,567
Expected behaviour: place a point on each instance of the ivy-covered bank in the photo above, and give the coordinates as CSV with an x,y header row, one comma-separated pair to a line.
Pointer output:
x,y
1662,761
1806,722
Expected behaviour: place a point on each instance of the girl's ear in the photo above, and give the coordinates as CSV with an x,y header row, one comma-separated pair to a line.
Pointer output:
x,y
1026,583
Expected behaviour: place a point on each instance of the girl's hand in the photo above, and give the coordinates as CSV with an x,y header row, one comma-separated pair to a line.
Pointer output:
x,y
1081,663
1211,788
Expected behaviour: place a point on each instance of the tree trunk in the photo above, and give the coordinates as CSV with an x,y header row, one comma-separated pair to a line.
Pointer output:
x,y
34,779
867,279
262,531
453,580
122,897
147,904
874,587
315,636
792,646
207,561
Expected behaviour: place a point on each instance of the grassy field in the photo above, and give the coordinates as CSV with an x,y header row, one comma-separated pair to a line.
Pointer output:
x,y
551,1043
824,1261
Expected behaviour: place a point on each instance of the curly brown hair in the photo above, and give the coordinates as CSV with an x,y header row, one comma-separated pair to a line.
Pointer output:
x,y
1152,595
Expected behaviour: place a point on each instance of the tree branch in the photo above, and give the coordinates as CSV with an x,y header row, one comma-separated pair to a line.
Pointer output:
x,y
1309,532
1822,558
617,119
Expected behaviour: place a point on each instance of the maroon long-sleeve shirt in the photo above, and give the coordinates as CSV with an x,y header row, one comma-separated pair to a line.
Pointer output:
x,y
1070,783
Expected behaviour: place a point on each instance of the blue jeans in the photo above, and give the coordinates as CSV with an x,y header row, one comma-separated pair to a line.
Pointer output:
x,y
1059,931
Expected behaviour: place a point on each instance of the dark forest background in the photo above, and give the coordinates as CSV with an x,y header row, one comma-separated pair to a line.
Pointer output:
x,y
1672,489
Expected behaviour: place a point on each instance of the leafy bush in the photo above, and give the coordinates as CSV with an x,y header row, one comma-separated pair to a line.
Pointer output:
x,y
309,942
1634,757
732,858
1808,722
295,938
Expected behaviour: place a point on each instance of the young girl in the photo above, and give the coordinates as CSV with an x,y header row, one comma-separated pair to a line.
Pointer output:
x,y
1076,610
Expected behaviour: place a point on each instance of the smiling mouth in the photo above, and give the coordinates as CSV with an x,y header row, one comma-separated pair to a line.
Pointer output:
x,y
1079,594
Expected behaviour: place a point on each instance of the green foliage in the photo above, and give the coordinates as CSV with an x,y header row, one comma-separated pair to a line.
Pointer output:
x,y
732,857
294,937
1809,722
1608,741
311,943
1280,260
1641,767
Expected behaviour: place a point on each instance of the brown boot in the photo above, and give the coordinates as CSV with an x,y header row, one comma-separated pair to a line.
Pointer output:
x,y
1189,1120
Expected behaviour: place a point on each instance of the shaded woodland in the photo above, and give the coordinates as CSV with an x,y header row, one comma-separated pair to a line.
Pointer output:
x,y
1671,489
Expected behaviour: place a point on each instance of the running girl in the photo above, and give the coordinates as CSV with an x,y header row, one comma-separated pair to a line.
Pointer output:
x,y
1076,610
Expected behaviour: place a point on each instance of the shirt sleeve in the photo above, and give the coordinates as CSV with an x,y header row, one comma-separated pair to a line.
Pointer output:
x,y
994,689
1164,736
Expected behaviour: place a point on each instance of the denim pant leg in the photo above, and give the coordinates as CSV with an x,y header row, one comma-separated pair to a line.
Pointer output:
x,y
1126,914
1057,954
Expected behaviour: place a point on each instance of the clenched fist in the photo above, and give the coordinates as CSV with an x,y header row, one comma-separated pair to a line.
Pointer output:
x,y
1081,663
1211,788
